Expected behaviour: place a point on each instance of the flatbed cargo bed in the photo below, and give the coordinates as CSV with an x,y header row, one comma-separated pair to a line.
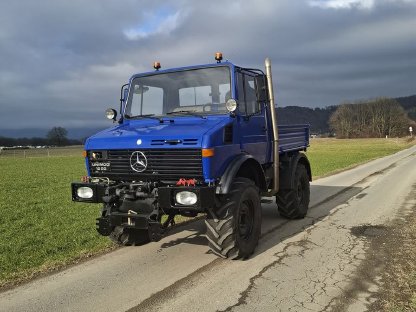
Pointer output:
x,y
293,137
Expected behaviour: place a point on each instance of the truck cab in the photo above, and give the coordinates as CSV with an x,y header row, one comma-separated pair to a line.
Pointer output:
x,y
197,139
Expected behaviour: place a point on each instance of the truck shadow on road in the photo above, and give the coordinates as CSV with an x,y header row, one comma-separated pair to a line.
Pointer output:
x,y
275,229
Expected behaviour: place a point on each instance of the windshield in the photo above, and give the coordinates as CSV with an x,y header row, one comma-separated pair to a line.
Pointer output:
x,y
203,91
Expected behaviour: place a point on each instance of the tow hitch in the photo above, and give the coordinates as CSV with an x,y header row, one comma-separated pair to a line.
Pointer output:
x,y
134,207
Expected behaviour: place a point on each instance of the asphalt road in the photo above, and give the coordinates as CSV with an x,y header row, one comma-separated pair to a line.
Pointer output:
x,y
301,265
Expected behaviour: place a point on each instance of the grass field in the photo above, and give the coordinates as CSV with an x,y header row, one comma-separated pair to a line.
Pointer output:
x,y
328,156
41,228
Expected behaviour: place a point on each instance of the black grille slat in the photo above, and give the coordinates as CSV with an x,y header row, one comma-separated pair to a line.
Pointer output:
x,y
161,164
175,142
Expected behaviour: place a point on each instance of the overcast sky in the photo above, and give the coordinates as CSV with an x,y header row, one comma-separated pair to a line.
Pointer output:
x,y
63,62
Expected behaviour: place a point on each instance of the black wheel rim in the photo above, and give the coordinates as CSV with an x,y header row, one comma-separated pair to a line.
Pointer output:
x,y
246,219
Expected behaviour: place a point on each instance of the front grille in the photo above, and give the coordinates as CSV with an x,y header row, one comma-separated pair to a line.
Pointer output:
x,y
162,164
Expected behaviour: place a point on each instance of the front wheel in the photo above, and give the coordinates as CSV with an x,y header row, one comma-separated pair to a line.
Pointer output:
x,y
233,228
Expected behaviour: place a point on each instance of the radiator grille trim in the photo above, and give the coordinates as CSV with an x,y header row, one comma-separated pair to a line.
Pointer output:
x,y
162,164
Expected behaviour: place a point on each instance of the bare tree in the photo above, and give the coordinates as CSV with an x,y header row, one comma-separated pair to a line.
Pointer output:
x,y
57,136
376,118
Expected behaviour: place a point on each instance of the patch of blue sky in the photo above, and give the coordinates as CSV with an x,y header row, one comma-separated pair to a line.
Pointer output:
x,y
161,20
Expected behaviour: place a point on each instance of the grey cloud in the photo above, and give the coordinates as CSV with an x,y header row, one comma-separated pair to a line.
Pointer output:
x,y
63,62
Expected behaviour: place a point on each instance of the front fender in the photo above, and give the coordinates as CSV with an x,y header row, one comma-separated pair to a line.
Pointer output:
x,y
242,164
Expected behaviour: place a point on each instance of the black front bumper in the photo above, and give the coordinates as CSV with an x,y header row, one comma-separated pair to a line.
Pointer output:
x,y
130,210
166,196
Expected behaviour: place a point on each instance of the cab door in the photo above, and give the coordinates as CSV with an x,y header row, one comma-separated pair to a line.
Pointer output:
x,y
251,119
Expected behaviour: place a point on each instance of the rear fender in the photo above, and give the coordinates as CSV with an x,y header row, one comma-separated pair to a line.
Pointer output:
x,y
288,167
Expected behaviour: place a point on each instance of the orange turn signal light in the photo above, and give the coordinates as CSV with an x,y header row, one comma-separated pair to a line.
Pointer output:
x,y
84,153
208,152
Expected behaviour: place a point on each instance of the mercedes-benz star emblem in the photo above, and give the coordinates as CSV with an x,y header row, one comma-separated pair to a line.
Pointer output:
x,y
138,162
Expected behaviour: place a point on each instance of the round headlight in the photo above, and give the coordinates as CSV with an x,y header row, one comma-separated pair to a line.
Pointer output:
x,y
85,192
111,114
231,105
186,198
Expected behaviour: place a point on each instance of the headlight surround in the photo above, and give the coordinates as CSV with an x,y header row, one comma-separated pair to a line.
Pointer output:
x,y
85,192
231,105
111,114
186,198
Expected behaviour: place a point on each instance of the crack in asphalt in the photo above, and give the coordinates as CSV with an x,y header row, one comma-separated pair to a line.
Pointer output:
x,y
305,245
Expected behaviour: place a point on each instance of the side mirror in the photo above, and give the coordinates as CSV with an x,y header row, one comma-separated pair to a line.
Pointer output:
x,y
124,91
261,88
111,114
140,89
125,94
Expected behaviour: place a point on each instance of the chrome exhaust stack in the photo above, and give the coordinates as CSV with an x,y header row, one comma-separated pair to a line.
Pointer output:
x,y
268,65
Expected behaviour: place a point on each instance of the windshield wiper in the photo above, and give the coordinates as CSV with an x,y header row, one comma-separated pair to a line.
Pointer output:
x,y
143,116
185,112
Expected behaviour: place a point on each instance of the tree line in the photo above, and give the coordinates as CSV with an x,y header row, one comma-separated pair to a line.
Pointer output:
x,y
57,136
377,118
372,118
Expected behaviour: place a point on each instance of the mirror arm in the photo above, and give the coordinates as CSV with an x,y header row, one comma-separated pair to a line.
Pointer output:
x,y
121,102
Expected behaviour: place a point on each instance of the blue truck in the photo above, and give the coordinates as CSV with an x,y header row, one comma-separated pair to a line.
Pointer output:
x,y
191,140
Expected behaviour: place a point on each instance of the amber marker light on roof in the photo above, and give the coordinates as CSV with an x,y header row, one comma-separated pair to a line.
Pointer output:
x,y
208,152
218,57
156,65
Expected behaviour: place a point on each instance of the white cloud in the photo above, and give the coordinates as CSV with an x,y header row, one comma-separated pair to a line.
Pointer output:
x,y
354,4
342,4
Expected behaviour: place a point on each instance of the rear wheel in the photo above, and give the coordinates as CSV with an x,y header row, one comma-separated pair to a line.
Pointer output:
x,y
233,227
294,203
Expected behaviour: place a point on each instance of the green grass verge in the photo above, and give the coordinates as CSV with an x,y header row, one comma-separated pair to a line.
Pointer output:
x,y
328,156
42,229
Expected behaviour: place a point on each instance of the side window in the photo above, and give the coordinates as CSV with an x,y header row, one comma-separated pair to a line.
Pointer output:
x,y
247,94
240,95
250,92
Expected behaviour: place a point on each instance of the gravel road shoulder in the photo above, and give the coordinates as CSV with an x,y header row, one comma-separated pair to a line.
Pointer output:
x,y
386,279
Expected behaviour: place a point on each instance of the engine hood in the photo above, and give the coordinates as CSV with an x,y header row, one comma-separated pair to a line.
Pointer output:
x,y
185,132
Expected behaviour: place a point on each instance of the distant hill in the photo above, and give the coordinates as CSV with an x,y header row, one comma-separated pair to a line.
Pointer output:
x,y
317,118
409,105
